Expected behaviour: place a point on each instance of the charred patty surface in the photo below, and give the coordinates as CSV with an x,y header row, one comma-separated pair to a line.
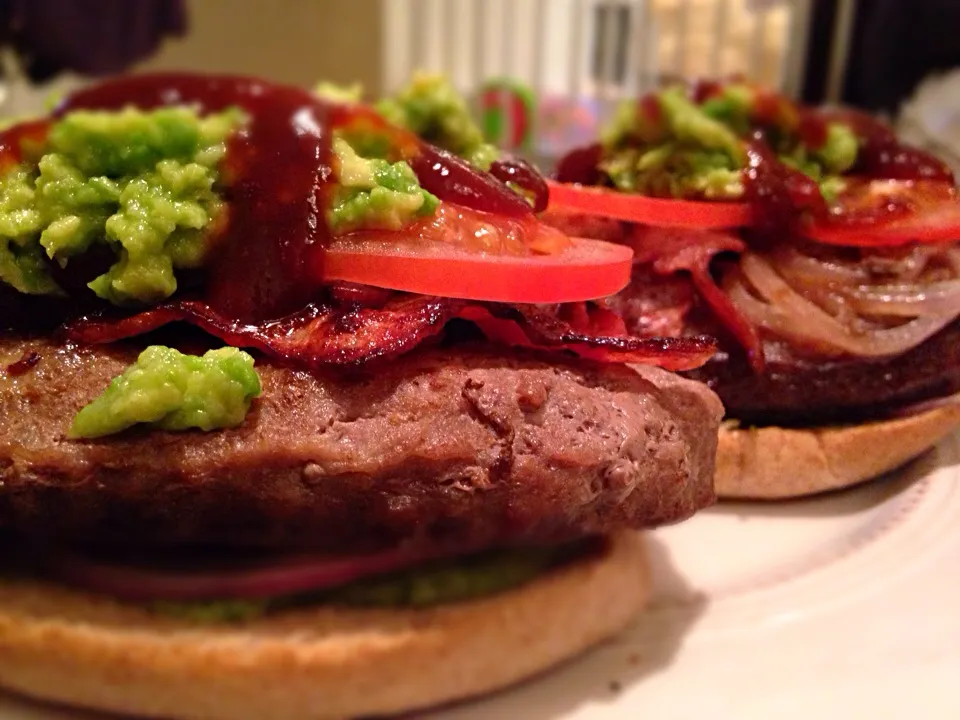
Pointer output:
x,y
439,446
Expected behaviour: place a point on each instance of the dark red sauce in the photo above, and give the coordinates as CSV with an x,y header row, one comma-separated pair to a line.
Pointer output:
x,y
24,364
882,155
521,173
13,140
581,166
769,109
777,111
776,191
702,90
812,129
447,176
452,178
651,111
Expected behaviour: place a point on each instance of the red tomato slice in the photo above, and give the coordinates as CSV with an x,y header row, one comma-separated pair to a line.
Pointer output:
x,y
879,213
586,270
661,212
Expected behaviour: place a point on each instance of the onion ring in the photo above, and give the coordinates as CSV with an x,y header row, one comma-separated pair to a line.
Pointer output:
x,y
779,308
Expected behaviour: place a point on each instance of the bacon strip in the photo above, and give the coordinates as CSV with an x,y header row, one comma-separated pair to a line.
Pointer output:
x,y
672,250
528,326
322,335
316,336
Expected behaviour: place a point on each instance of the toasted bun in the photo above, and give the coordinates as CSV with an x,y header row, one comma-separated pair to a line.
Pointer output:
x,y
770,463
65,646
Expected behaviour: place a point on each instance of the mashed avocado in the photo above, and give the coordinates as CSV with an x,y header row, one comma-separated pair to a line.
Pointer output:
x,y
677,148
439,583
433,109
671,170
839,152
348,94
172,391
143,183
679,151
146,184
373,193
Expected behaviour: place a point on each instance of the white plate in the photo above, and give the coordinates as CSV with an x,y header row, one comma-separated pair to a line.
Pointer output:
x,y
846,606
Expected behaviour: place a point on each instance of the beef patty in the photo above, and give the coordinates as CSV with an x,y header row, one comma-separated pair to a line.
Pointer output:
x,y
465,446
796,392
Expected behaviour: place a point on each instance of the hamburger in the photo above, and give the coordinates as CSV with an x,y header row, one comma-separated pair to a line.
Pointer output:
x,y
302,416
817,248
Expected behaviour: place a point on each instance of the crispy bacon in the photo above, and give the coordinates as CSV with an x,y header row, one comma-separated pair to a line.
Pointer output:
x,y
316,336
673,250
324,335
530,326
654,305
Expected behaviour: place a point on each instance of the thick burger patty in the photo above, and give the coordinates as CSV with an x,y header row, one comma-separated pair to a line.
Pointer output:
x,y
799,392
439,446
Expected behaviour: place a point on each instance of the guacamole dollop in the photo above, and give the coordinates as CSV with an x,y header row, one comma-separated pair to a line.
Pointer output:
x,y
169,390
373,193
671,146
142,183
348,94
147,185
433,109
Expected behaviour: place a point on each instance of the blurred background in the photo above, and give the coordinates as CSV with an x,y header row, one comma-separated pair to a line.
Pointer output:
x,y
541,73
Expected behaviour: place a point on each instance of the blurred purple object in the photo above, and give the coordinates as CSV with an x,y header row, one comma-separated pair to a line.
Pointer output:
x,y
88,37
564,123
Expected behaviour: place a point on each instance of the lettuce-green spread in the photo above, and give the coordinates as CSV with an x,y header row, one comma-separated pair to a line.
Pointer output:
x,y
449,581
142,183
172,391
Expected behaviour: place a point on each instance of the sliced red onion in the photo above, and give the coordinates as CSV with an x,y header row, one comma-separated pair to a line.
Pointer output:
x,y
803,269
940,298
782,310
281,578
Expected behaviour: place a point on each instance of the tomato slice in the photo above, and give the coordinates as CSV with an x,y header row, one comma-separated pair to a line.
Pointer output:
x,y
585,270
660,212
878,213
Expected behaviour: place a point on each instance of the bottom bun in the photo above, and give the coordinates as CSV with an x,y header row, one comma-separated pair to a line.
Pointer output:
x,y
770,463
68,647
